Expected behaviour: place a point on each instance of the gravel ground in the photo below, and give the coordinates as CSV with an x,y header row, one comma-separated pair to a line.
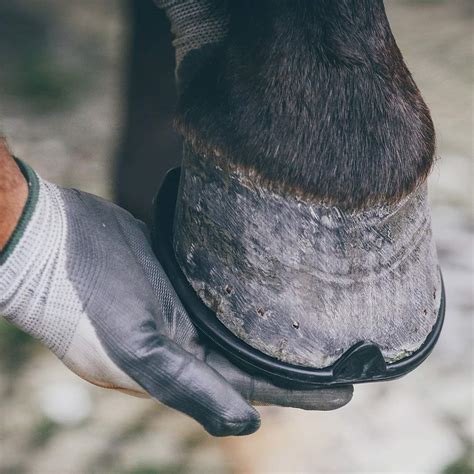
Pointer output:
x,y
51,421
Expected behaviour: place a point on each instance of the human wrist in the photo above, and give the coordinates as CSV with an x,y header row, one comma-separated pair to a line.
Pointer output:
x,y
19,189
13,194
25,276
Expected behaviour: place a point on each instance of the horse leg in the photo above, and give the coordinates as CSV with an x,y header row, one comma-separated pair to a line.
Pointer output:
x,y
302,218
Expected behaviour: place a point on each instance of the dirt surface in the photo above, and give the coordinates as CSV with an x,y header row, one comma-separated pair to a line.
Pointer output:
x,y
60,108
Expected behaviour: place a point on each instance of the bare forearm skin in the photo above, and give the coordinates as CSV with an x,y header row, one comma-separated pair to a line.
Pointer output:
x,y
13,193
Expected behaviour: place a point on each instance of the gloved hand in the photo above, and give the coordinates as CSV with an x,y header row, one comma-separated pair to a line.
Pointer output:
x,y
79,274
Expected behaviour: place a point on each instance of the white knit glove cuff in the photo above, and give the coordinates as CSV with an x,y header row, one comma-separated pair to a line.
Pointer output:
x,y
33,262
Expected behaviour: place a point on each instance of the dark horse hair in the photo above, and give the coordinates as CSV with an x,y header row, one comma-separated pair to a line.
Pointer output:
x,y
312,97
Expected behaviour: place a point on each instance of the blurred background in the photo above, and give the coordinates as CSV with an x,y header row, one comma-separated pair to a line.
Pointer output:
x,y
80,84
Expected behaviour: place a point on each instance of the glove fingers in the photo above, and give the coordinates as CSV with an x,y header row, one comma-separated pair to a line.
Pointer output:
x,y
322,399
262,392
181,381
132,312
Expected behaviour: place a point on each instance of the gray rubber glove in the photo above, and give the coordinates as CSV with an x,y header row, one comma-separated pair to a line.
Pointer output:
x,y
79,274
